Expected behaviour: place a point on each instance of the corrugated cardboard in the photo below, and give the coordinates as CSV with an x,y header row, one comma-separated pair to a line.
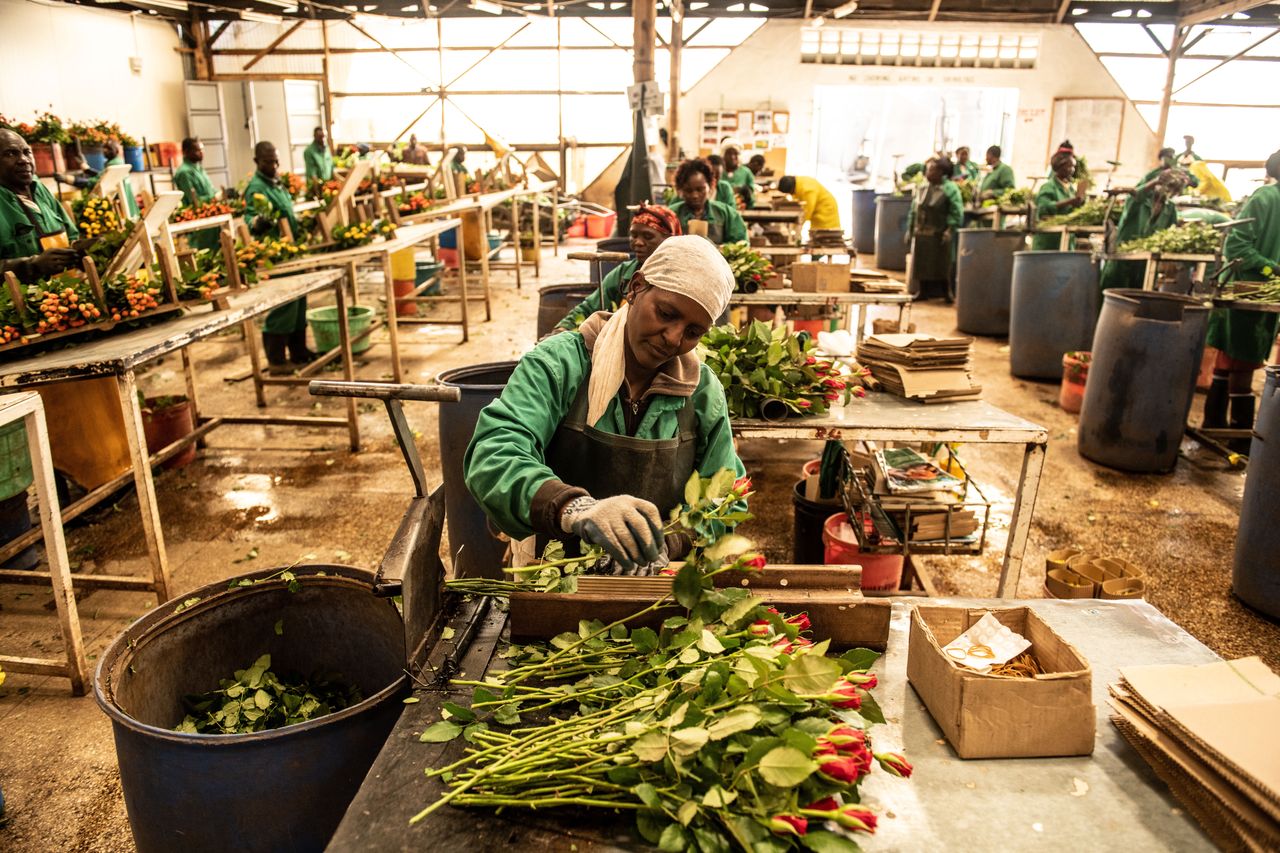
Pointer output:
x,y
814,277
987,716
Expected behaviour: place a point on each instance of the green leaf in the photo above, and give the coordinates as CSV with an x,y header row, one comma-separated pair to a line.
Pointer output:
x,y
457,712
870,709
412,700
721,483
811,674
470,732
508,714
728,546
648,795
688,585
710,840
686,742
565,640
717,797
279,627
786,767
688,811
644,639
673,839
693,489
859,659
442,732
739,609
262,699
709,643
740,719
651,824
618,632
689,656
480,696
822,841
650,747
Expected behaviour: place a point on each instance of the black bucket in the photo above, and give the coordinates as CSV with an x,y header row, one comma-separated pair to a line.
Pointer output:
x,y
807,548
609,244
555,301
1146,355
1256,574
984,273
279,790
476,551
864,221
891,231
1054,311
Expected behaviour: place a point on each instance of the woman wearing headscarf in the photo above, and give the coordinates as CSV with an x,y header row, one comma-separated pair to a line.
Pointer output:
x,y
650,225
937,214
1058,195
598,430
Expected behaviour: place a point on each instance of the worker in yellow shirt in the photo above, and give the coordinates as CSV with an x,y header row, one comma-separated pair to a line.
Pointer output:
x,y
820,209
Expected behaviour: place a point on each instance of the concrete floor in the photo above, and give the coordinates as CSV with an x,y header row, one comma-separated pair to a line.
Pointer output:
x,y
260,497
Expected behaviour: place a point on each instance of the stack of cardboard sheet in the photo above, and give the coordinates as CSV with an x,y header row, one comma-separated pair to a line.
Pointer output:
x,y
873,281
921,367
1210,732
827,238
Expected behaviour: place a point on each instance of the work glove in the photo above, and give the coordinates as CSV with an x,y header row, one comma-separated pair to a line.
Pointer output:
x,y
50,262
261,225
629,529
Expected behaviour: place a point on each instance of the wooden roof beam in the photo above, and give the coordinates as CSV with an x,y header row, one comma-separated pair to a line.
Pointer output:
x,y
1191,12
933,10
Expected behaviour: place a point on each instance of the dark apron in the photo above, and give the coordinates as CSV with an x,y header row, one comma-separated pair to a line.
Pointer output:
x,y
607,465
932,252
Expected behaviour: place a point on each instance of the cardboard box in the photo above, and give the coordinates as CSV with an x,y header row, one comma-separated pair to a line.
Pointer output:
x,y
774,281
814,277
986,716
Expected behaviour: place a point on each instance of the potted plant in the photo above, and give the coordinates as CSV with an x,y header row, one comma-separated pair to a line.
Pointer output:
x,y
528,249
46,138
90,139
132,151
165,419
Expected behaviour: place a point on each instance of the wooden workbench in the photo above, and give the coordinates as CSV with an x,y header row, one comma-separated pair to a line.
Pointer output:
x,y
852,302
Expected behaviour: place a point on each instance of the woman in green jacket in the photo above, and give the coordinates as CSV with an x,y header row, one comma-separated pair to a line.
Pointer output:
x,y
1148,209
937,212
597,431
1245,338
650,225
695,183
1058,195
724,189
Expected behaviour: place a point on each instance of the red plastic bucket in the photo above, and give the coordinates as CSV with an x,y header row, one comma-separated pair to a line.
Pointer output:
x,y
601,226
163,427
406,307
880,572
577,229
1075,372
448,257
810,326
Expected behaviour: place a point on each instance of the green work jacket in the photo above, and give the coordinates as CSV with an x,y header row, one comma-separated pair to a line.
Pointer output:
x,y
724,193
281,204
743,177
614,288
967,171
998,180
193,182
955,208
130,201
505,463
318,160
729,221
18,237
1249,335
1047,198
1135,223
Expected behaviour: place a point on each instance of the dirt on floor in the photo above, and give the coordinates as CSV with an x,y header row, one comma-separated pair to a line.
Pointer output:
x,y
269,496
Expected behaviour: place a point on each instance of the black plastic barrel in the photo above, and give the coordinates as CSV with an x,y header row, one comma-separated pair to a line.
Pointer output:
x,y
555,301
1054,310
609,244
806,547
280,790
475,550
891,231
1146,354
864,221
1256,576
984,270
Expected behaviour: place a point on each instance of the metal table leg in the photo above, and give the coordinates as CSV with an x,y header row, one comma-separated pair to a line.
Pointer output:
x,y
144,486
1024,505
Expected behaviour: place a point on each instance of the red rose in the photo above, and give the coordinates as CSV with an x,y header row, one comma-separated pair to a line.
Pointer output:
x,y
742,485
837,384
800,620
804,404
840,768
859,392
760,628
852,817
788,824
848,694
754,562
865,680
810,360
832,397
895,763
842,736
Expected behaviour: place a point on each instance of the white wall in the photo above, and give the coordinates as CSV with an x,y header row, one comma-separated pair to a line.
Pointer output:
x,y
75,61
765,71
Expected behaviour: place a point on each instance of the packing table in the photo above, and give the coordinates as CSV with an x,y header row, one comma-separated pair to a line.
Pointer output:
x,y
852,302
1110,800
885,417
119,356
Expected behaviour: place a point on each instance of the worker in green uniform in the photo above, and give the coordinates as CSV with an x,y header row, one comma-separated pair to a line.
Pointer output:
x,y
694,183
650,225
937,213
1188,156
35,231
724,190
1245,338
965,169
284,332
597,431
1148,209
193,182
741,178
115,157
318,159
1057,195
999,179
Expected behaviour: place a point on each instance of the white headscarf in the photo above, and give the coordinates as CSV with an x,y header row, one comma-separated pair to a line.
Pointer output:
x,y
690,266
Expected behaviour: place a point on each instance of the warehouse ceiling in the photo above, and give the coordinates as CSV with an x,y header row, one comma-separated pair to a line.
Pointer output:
x,y
1221,12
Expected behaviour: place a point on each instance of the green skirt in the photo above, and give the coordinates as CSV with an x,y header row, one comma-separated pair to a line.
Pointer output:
x,y
1246,335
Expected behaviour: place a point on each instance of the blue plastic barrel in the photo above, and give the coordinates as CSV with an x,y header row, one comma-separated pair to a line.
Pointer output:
x,y
864,221
1054,310
1256,575
891,231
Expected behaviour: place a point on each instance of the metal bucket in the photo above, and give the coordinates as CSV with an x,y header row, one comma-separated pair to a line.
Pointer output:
x,y
984,270
1054,310
1256,576
612,244
279,790
864,221
476,551
555,301
891,231
1146,354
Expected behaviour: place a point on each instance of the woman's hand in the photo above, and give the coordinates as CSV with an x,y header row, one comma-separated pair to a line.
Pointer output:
x,y
628,528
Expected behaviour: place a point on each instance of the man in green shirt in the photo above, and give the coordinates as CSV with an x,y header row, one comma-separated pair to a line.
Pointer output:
x,y
35,230
966,169
115,157
318,158
285,328
193,182
1057,195
740,177
693,183
999,179
1245,338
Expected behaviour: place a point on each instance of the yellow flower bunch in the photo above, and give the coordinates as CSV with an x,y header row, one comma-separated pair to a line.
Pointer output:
x,y
97,218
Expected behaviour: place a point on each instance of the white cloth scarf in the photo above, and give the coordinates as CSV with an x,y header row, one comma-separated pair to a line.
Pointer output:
x,y
688,265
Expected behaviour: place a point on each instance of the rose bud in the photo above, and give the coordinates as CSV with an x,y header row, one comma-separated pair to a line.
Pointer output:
x,y
852,817
895,763
800,620
840,768
831,398
859,392
810,360
843,735
742,484
788,824
760,628
846,696
804,404
837,384
752,562
826,804
865,680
